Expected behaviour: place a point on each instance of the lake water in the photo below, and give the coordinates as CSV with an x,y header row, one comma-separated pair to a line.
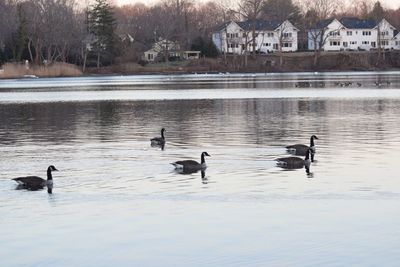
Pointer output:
x,y
117,201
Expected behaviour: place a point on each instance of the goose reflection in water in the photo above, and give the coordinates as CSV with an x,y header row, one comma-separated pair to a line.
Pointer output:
x,y
162,145
35,188
204,179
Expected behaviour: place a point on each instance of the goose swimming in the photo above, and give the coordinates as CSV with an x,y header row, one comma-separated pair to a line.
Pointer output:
x,y
159,140
191,165
35,182
295,162
302,150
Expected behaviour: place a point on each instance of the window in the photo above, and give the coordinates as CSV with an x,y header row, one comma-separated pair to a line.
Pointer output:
x,y
365,42
349,33
270,34
334,43
345,44
366,33
287,34
150,56
287,44
353,42
275,46
335,33
244,35
397,42
384,42
385,33
267,44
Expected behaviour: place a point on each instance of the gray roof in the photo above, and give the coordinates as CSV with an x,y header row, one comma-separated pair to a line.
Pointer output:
x,y
348,22
355,23
260,25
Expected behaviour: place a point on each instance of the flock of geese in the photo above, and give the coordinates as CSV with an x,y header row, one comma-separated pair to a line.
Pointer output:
x,y
189,166
341,84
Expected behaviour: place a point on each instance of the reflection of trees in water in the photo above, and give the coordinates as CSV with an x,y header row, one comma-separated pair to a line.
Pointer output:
x,y
49,121
190,121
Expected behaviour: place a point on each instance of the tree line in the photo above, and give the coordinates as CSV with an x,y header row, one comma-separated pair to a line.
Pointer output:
x,y
97,33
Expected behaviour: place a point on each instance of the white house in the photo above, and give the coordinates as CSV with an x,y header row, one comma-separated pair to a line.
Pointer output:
x,y
351,34
236,37
397,41
170,47
162,46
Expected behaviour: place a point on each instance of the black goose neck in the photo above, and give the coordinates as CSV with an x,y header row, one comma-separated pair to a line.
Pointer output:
x,y
49,176
312,141
307,155
202,159
162,135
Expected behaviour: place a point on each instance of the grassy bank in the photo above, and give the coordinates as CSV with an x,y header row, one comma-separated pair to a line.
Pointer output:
x,y
291,62
16,70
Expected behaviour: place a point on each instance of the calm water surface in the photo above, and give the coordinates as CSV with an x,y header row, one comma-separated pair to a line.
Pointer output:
x,y
118,202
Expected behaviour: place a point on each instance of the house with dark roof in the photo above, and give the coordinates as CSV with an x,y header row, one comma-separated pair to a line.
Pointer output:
x,y
396,40
270,36
171,48
349,33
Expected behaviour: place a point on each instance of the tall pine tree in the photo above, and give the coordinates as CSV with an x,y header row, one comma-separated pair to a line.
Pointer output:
x,y
102,25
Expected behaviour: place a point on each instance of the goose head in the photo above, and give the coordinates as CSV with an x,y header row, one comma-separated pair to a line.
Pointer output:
x,y
52,168
205,154
314,137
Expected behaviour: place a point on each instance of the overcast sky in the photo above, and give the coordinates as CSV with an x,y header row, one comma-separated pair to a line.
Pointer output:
x,y
387,3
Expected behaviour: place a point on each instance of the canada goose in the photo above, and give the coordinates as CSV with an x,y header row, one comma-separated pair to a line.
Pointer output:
x,y
295,162
191,165
35,182
359,84
159,140
302,150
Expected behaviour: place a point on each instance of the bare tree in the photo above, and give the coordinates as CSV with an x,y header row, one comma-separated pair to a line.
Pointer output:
x,y
250,10
317,13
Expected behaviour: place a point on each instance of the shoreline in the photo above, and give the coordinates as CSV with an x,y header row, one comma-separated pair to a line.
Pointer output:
x,y
206,73
292,63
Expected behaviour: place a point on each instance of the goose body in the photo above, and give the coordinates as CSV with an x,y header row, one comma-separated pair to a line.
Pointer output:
x,y
302,150
158,140
295,162
35,182
191,165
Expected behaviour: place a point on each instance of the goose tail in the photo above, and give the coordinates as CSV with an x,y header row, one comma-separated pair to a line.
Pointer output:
x,y
177,166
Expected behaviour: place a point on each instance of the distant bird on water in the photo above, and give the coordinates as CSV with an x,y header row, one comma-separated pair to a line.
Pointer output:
x,y
191,165
302,150
35,182
159,140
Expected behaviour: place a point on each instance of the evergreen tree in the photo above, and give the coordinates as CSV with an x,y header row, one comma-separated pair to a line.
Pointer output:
x,y
377,12
205,46
21,39
102,25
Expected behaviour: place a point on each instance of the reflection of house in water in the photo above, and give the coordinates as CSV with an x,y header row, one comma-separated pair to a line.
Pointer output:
x,y
163,47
